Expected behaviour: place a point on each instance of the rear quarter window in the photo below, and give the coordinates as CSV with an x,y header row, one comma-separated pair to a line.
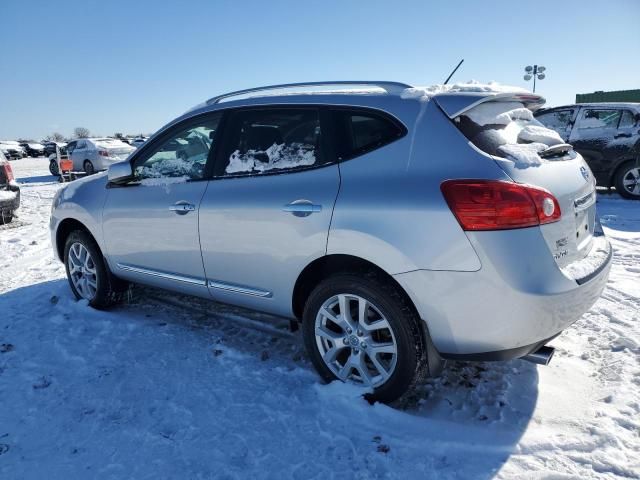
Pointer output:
x,y
361,131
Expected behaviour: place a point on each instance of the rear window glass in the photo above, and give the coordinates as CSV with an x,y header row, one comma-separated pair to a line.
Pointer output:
x,y
508,130
358,132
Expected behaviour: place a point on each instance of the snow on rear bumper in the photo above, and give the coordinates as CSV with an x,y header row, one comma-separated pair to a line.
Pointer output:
x,y
518,298
9,198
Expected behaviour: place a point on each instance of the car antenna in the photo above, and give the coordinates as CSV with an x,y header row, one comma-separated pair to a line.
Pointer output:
x,y
454,71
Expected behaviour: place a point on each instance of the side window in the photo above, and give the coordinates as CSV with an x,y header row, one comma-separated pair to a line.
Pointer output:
x,y
267,140
627,120
595,118
80,145
71,146
358,132
558,120
183,154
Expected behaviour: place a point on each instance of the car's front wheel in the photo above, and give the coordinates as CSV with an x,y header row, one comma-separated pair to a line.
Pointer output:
x,y
627,181
87,272
360,329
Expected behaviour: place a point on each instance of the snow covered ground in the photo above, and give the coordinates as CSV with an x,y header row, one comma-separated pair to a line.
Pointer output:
x,y
171,387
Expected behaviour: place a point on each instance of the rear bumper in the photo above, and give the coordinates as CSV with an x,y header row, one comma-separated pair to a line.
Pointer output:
x,y
516,302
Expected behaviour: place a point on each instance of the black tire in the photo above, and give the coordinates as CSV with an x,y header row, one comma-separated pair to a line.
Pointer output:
x,y
89,169
5,218
109,289
625,171
411,364
53,168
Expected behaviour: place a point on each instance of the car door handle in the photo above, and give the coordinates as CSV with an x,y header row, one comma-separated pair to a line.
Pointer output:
x,y
182,208
301,208
625,135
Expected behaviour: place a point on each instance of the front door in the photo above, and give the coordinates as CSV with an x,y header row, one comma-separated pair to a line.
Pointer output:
x,y
150,225
267,211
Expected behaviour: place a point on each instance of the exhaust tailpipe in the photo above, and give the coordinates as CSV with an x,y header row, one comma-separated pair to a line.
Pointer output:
x,y
542,356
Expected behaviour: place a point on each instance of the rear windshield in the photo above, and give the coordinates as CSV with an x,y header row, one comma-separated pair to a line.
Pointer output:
x,y
507,130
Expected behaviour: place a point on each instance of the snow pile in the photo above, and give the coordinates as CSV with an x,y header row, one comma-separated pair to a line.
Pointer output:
x,y
171,170
499,113
425,93
538,133
7,195
276,157
513,127
523,153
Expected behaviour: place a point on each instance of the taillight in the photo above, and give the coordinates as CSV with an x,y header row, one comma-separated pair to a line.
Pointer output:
x,y
498,205
8,172
103,153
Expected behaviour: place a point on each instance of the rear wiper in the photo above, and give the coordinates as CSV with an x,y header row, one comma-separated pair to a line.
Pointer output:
x,y
556,150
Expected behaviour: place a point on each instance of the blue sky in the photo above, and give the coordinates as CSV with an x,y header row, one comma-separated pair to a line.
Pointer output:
x,y
131,66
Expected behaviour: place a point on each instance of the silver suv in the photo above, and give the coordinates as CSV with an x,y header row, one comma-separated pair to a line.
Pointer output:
x,y
399,226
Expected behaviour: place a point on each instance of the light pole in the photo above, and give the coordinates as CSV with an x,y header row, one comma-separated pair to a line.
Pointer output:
x,y
537,71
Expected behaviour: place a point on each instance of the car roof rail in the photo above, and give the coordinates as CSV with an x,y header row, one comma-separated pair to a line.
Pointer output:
x,y
392,88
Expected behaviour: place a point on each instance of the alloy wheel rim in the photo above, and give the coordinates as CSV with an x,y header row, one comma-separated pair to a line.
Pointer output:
x,y
82,271
355,340
631,181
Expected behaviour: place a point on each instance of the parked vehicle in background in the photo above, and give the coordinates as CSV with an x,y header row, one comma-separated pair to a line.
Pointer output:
x,y
9,192
33,149
138,141
50,147
607,135
12,150
95,154
400,226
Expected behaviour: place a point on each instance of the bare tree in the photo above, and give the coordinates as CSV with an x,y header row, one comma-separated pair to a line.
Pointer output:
x,y
81,132
56,137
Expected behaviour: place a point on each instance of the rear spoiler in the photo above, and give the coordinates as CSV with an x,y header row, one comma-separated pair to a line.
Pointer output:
x,y
455,104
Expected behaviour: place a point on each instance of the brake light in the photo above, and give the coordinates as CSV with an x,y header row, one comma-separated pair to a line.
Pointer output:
x,y
8,172
103,153
498,205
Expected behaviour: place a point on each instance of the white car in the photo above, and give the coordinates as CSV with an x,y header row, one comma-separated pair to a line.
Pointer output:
x,y
96,154
137,142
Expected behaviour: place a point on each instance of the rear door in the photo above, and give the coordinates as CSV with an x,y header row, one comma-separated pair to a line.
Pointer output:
x,y
266,213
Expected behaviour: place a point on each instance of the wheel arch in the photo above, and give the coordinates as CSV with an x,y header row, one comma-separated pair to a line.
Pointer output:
x,y
331,264
63,231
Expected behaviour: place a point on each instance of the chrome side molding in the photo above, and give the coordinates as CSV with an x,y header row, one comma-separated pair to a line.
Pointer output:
x,y
231,287
168,276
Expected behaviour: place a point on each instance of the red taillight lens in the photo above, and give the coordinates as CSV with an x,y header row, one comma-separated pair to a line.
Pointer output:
x,y
8,172
498,205
103,153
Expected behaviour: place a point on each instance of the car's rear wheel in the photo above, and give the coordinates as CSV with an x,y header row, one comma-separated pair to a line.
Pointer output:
x,y
359,329
53,168
89,168
627,181
87,271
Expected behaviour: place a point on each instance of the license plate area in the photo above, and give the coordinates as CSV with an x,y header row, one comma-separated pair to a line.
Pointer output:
x,y
585,217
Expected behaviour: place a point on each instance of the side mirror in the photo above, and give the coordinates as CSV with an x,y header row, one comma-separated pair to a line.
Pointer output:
x,y
120,172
